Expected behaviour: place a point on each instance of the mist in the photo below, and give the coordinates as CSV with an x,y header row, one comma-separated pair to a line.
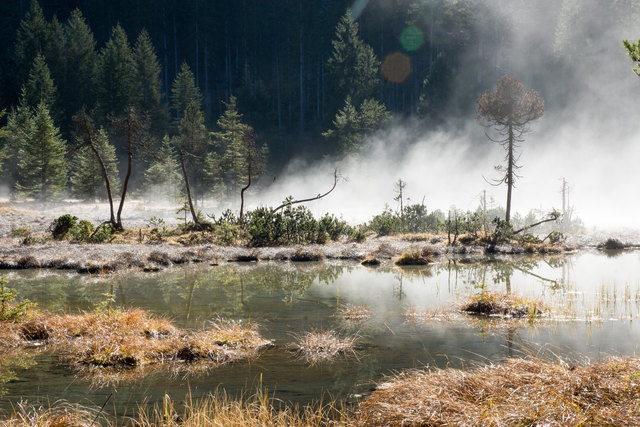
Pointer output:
x,y
585,136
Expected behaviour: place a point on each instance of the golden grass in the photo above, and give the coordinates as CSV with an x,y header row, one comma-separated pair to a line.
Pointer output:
x,y
131,338
518,392
414,256
503,304
321,345
61,414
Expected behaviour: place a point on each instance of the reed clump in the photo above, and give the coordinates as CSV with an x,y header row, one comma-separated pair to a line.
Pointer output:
x,y
414,256
490,303
60,414
319,345
131,338
518,392
354,313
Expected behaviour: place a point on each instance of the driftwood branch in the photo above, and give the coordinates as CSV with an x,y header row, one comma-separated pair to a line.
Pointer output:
x,y
553,216
319,196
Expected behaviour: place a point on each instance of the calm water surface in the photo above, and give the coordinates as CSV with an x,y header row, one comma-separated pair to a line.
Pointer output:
x,y
599,293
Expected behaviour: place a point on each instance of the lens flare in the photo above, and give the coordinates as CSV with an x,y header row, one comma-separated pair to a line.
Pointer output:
x,y
396,67
411,39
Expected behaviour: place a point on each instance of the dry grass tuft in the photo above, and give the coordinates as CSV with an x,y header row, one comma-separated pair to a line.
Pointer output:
x,y
354,313
414,256
307,255
256,411
518,392
370,261
61,414
502,304
131,338
411,315
323,345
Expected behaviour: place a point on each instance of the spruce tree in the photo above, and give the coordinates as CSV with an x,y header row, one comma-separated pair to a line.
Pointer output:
x,y
33,37
41,163
352,125
148,96
353,66
39,88
86,173
184,92
231,141
117,74
192,143
163,178
78,87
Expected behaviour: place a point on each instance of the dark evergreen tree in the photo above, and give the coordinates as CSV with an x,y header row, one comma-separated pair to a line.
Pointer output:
x,y
353,67
437,89
41,164
33,37
184,92
148,97
78,86
39,87
352,125
116,74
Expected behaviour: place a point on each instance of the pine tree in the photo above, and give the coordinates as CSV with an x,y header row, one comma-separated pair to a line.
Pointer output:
x,y
78,87
352,125
184,92
41,163
163,178
39,88
148,96
436,89
353,66
86,173
192,143
235,141
33,37
117,74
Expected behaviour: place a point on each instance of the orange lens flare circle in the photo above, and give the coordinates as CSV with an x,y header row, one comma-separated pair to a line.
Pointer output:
x,y
396,67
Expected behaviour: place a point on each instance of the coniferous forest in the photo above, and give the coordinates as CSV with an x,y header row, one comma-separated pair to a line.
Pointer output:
x,y
232,89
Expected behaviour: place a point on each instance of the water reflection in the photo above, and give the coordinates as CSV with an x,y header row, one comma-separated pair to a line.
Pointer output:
x,y
290,298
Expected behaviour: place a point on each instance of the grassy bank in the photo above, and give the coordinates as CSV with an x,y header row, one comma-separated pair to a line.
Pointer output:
x,y
515,393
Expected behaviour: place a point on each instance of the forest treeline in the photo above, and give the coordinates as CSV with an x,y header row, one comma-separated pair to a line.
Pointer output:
x,y
152,94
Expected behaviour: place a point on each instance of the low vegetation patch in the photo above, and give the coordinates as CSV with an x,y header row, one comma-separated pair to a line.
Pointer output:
x,y
518,392
107,338
414,256
490,303
612,244
319,345
354,313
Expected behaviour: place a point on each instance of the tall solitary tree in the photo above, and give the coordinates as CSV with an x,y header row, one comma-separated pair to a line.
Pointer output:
x,y
509,110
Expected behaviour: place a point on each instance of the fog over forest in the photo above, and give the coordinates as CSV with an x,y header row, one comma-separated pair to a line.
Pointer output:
x,y
275,58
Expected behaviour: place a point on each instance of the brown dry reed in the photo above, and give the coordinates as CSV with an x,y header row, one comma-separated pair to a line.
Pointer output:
x,y
132,338
354,313
414,256
321,345
518,392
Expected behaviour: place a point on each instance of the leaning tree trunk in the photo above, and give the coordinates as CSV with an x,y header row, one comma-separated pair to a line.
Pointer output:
x,y
186,183
126,178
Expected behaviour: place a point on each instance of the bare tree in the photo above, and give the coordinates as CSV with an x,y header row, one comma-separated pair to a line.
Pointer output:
x,y
135,128
85,135
509,110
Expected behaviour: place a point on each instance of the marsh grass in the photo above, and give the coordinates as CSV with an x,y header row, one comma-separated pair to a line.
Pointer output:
x,y
103,343
506,305
415,256
353,313
319,345
59,414
518,392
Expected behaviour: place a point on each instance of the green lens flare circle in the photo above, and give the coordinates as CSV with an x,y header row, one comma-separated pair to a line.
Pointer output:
x,y
411,38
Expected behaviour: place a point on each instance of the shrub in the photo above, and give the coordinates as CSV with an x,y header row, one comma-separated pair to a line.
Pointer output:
x,y
20,232
386,223
8,309
62,225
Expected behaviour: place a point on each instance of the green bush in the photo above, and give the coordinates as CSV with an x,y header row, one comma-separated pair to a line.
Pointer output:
x,y
357,235
62,225
386,223
82,231
10,310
